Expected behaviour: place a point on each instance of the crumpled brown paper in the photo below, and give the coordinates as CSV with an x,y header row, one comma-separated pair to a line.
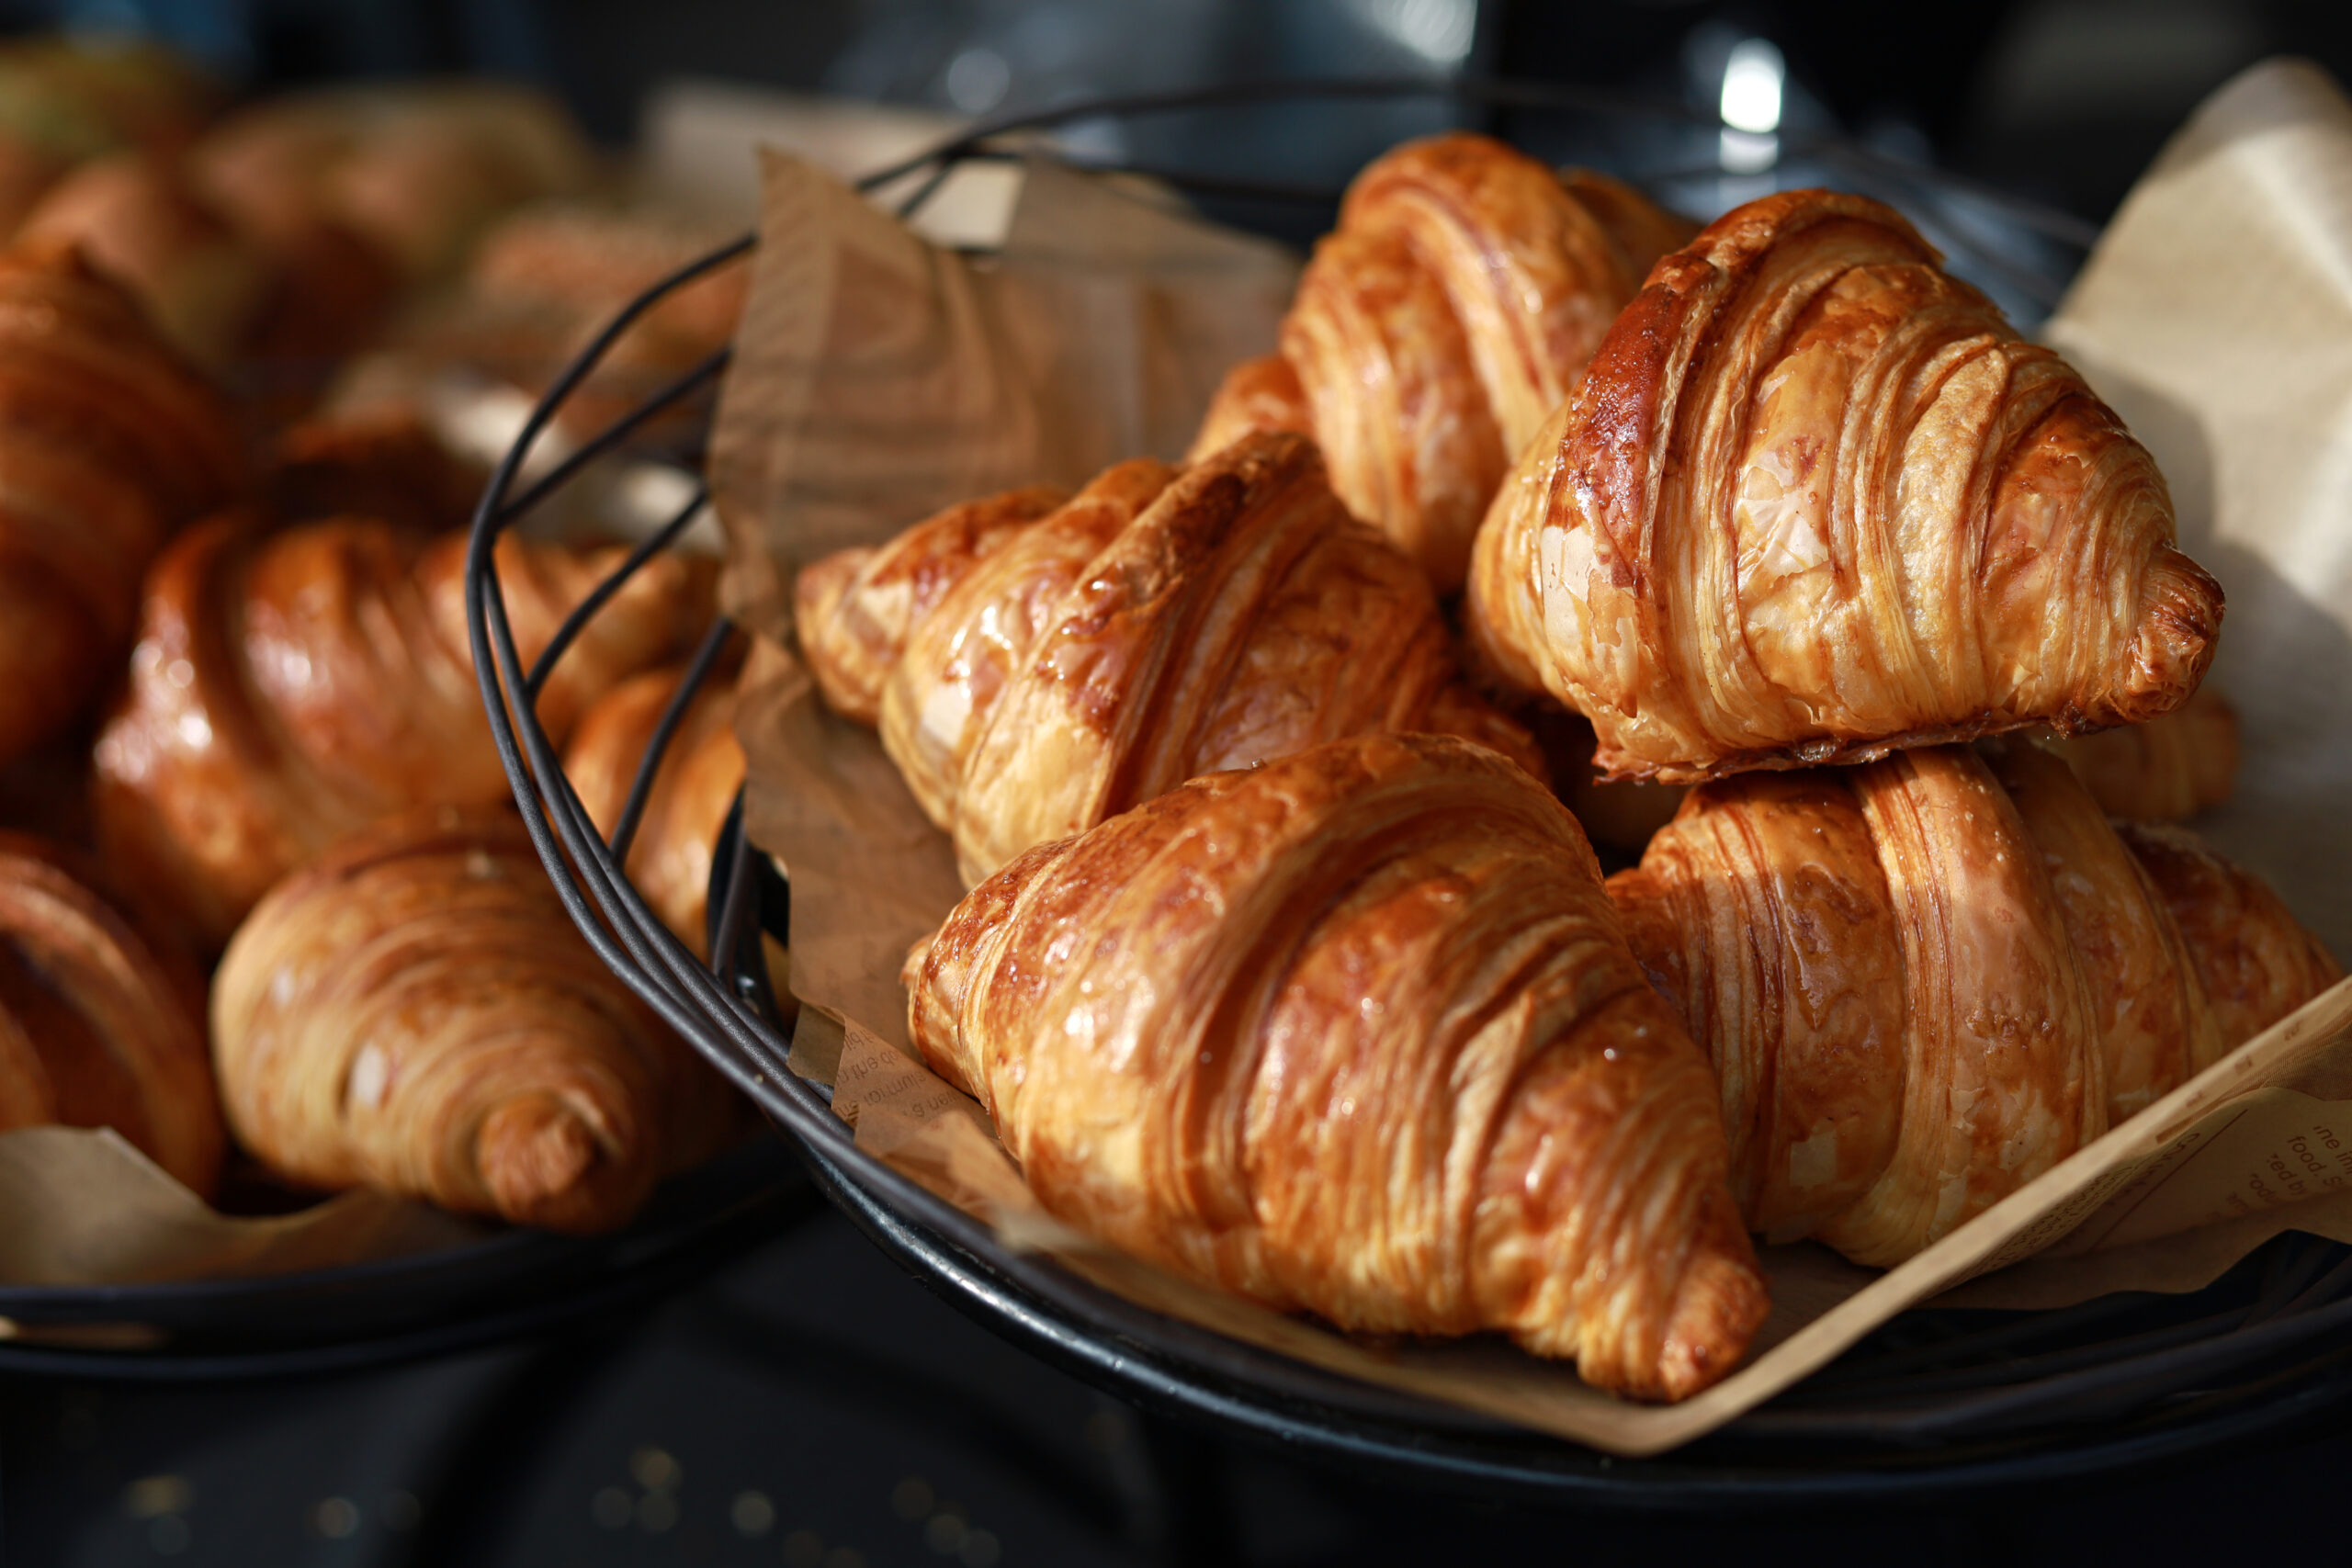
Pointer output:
x,y
84,1208
877,378
2260,1143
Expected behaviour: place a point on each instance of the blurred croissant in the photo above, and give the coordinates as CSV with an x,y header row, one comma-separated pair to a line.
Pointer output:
x,y
1816,500
99,1026
1357,1032
1035,669
288,688
1438,327
138,219
415,1011
692,790
1927,980
108,442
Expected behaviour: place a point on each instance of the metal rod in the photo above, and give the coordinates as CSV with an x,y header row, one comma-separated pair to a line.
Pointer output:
x,y
649,766
612,583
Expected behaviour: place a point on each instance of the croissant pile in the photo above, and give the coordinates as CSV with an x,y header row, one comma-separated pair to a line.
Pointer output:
x,y
238,706
1281,967
1852,621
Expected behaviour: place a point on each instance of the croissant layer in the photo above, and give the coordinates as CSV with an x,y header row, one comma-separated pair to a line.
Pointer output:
x,y
1355,1031
1816,501
1038,668
1926,980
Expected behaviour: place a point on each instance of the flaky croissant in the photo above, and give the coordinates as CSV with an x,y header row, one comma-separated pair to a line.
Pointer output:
x,y
108,442
1439,325
99,1026
287,688
1357,1032
415,1011
2168,768
1036,671
701,769
1814,500
1926,980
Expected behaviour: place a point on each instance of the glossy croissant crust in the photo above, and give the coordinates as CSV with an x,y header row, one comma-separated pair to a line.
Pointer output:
x,y
1816,501
1926,980
288,688
99,1026
108,442
1438,326
692,791
415,1011
1036,668
1357,1032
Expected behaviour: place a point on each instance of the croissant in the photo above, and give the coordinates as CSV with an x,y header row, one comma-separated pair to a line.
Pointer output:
x,y
381,462
288,688
415,1011
694,789
99,1026
1033,675
1355,1031
1926,980
2168,768
1816,501
1434,329
202,282
107,443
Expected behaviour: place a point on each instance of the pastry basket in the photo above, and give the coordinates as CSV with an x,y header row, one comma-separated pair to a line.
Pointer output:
x,y
1935,1402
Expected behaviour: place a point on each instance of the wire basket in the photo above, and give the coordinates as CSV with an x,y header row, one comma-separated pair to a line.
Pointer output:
x,y
1937,1401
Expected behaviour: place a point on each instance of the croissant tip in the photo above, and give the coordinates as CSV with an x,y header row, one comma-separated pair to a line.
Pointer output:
x,y
546,1165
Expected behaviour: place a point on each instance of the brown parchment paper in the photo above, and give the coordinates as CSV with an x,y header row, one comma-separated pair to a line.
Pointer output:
x,y
2260,1143
83,1207
877,378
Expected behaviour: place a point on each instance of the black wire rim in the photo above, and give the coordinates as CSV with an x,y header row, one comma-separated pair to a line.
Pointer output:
x,y
1934,1402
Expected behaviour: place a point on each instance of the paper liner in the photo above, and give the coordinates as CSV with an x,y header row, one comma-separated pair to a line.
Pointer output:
x,y
2260,1143
85,1208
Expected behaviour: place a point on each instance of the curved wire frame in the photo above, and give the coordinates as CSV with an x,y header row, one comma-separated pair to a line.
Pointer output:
x,y
1984,1395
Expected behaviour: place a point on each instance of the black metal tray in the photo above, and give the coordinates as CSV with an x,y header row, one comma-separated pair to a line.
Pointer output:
x,y
1933,1402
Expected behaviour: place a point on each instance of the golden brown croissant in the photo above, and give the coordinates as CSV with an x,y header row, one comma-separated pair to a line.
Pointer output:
x,y
415,1011
1356,1032
1926,980
2168,768
99,1026
1439,325
1032,678
668,861
202,282
107,443
288,688
1814,500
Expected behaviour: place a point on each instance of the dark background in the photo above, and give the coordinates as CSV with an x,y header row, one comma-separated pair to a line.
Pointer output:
x,y
810,1405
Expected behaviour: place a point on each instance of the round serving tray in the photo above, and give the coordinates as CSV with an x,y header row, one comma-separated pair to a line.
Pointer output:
x,y
1933,1402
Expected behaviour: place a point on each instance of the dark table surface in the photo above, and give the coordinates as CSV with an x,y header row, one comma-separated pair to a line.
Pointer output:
x,y
811,1404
